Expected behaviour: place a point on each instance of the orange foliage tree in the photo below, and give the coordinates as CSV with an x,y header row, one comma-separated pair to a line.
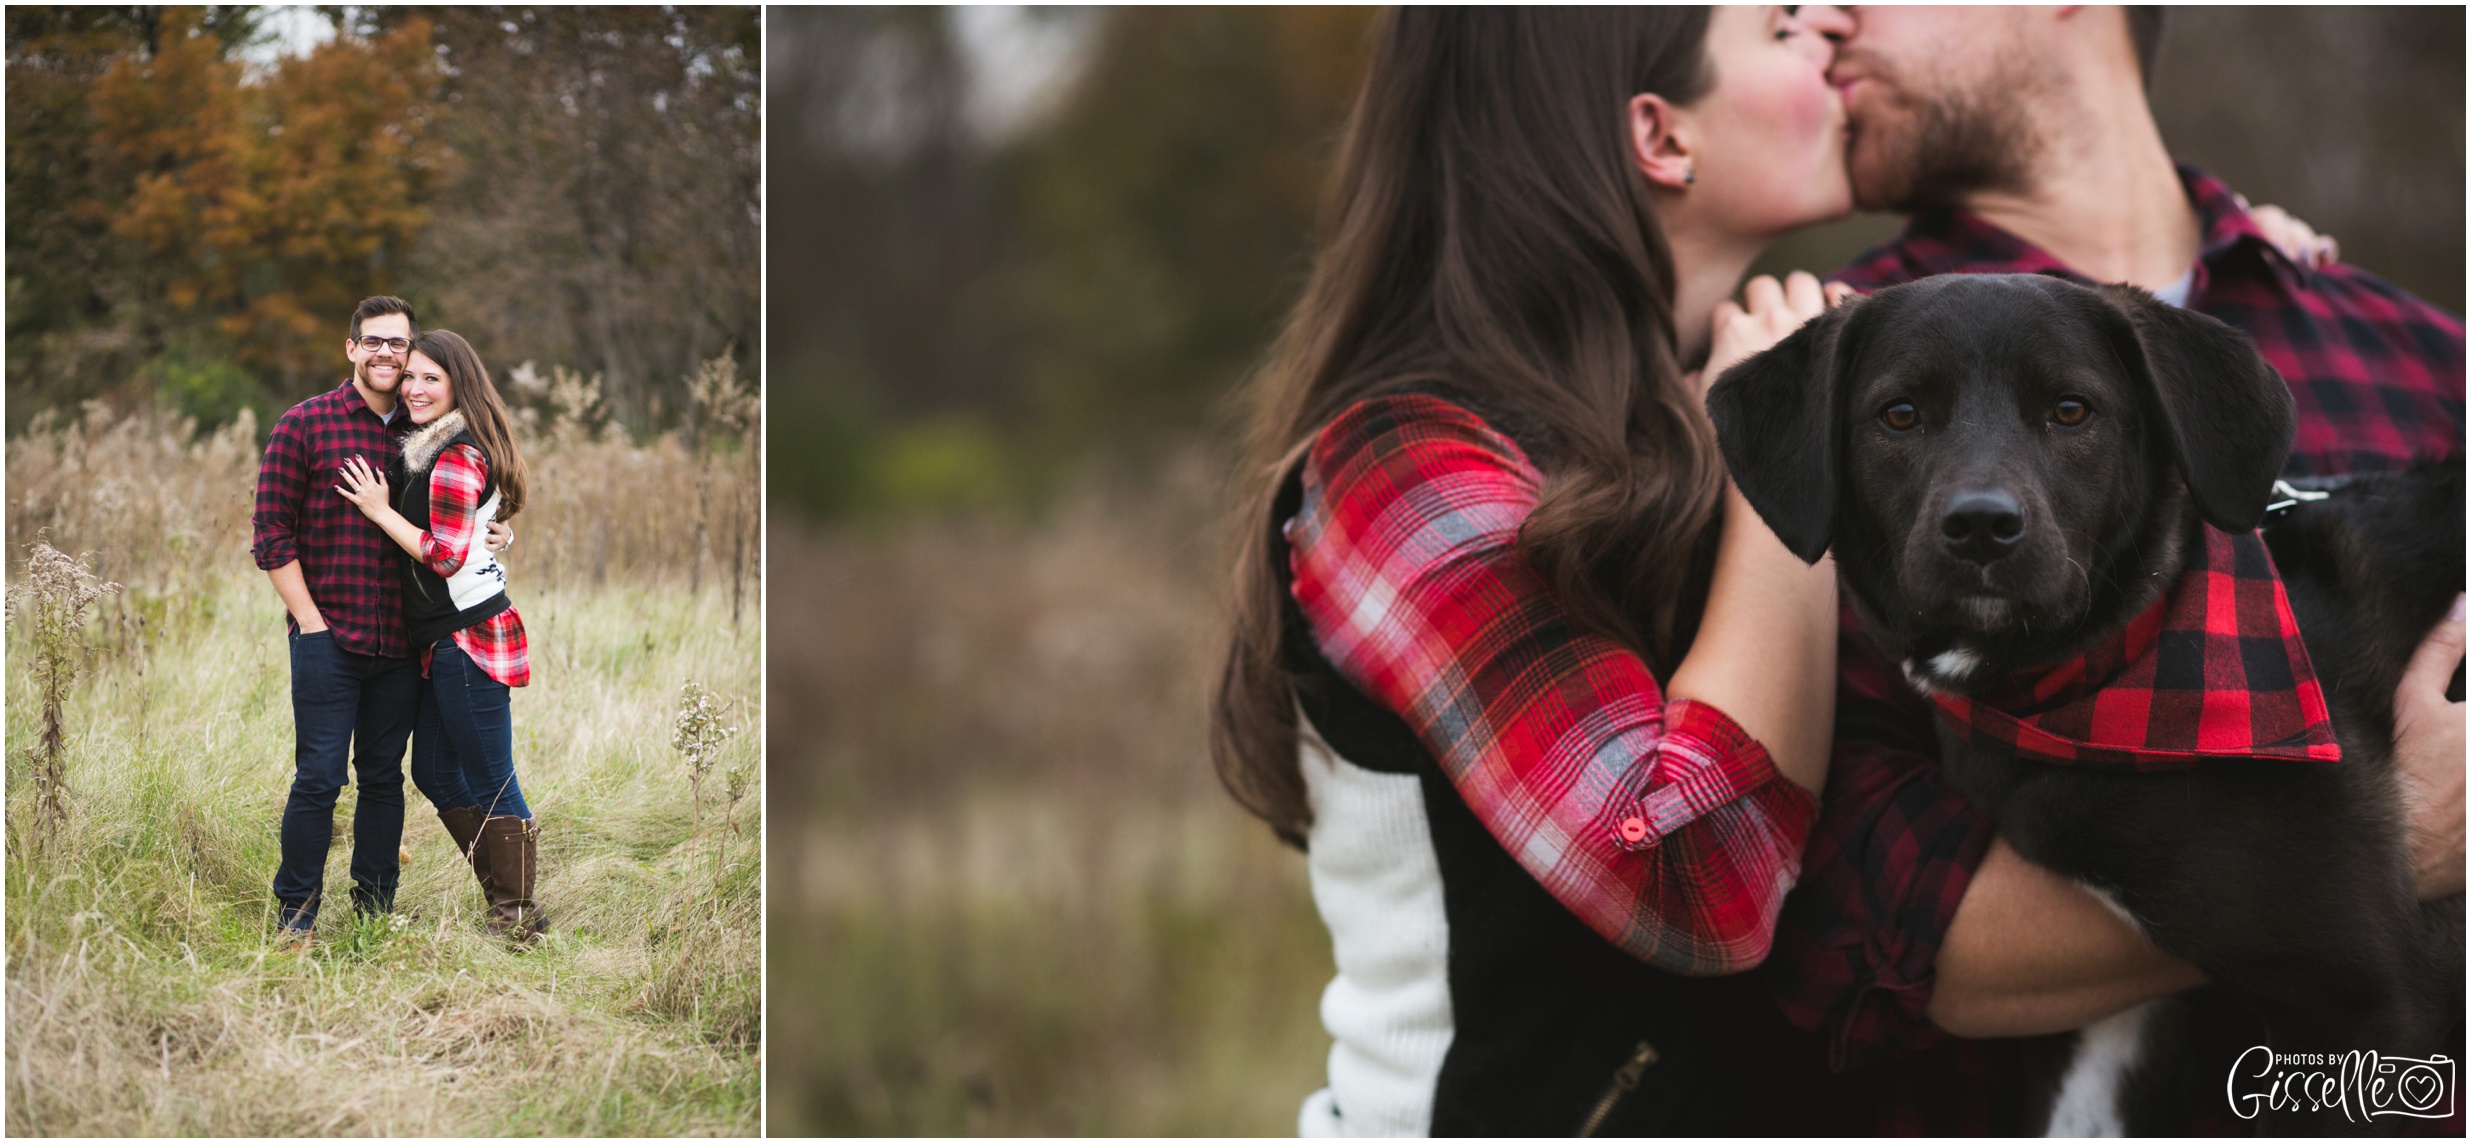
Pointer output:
x,y
267,206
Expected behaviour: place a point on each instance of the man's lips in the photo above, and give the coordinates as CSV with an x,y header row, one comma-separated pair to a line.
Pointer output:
x,y
1851,70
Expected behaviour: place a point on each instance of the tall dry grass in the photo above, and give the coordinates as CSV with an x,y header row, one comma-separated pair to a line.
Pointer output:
x,y
145,995
165,506
1008,896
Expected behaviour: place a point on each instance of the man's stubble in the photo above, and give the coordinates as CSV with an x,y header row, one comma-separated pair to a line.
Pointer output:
x,y
1922,143
361,373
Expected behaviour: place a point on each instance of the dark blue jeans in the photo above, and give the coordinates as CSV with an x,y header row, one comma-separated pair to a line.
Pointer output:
x,y
464,754
355,709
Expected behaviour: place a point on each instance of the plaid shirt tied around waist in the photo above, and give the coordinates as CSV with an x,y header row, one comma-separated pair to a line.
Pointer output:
x,y
1659,823
348,562
2212,670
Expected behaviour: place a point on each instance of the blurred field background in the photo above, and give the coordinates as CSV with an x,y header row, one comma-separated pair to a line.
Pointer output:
x,y
196,199
1023,259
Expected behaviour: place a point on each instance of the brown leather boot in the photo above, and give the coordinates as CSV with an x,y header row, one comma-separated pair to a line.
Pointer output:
x,y
513,847
463,825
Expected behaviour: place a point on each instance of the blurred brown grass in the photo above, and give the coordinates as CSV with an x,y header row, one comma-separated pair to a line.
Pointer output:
x,y
1007,895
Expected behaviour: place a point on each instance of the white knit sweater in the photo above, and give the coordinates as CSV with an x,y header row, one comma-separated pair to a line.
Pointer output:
x,y
1377,884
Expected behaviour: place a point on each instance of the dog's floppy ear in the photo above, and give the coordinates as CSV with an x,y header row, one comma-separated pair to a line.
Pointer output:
x,y
1776,421
2228,415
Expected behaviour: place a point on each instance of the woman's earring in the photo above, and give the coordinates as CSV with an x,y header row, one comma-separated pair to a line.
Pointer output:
x,y
1690,176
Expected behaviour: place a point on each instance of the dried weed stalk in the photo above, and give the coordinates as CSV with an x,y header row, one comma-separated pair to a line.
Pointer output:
x,y
702,729
49,606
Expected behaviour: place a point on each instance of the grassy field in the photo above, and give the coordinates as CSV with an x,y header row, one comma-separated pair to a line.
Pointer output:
x,y
145,995
1008,896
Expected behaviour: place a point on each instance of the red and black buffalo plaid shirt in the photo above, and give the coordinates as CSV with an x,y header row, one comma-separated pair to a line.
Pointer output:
x,y
2378,379
354,572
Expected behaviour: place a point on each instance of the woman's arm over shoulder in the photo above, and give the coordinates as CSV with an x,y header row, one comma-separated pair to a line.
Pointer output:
x,y
1662,825
455,485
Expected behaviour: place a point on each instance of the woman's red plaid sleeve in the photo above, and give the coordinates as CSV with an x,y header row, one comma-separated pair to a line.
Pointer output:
x,y
1662,825
455,486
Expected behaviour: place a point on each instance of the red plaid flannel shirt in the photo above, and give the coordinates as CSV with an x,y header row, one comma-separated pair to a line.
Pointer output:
x,y
497,644
348,562
1661,824
2378,379
2213,669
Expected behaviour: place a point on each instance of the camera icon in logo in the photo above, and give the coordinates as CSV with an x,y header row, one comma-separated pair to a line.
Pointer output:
x,y
2421,1089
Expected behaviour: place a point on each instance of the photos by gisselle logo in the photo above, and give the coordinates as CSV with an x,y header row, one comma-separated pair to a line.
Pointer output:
x,y
2361,1086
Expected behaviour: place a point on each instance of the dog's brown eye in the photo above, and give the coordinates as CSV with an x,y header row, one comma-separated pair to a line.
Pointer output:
x,y
2070,411
1900,416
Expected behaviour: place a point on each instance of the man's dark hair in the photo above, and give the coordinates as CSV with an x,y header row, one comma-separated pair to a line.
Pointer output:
x,y
380,306
2145,31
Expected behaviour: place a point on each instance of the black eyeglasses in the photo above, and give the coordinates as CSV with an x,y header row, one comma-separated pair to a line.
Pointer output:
x,y
373,343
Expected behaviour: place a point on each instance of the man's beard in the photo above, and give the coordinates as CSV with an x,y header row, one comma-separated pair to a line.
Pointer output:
x,y
1911,151
361,372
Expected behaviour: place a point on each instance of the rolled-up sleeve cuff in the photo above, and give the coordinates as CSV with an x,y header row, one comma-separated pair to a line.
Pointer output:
x,y
1704,761
1858,943
274,551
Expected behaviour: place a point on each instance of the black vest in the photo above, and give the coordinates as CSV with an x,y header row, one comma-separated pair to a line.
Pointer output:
x,y
429,612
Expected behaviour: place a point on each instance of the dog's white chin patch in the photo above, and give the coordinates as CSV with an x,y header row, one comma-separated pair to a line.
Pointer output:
x,y
1946,669
1954,664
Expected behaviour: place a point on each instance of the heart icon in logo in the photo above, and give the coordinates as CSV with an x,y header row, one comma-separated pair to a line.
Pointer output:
x,y
2420,1087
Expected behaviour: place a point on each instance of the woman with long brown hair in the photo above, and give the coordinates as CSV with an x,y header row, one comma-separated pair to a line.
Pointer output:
x,y
1546,703
460,472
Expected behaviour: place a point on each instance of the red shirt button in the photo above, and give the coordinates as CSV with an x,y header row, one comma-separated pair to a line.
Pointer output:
x,y
1634,830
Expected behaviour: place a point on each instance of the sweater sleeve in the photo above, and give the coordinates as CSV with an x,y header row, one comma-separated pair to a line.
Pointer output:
x,y
455,486
1660,824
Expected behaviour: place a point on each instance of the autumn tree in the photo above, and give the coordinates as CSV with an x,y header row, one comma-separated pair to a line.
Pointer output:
x,y
608,216
79,318
191,215
270,208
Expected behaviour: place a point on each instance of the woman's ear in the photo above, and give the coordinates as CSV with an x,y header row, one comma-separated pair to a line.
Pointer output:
x,y
1660,143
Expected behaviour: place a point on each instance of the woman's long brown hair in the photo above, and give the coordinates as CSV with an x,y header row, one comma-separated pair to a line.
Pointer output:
x,y
484,412
1487,233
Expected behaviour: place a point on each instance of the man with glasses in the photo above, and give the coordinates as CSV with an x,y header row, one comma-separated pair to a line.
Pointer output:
x,y
355,684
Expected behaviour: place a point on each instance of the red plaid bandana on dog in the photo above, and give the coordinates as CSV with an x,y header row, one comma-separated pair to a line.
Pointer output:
x,y
1661,824
2212,670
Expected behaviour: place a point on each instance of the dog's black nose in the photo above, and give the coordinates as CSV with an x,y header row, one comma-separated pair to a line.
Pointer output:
x,y
1982,526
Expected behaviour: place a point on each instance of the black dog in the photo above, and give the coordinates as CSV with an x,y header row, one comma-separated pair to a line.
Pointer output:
x,y
2015,473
